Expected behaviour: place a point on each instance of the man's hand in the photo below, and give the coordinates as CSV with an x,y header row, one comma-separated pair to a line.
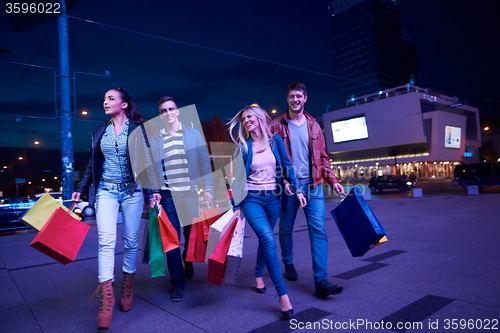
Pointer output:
x,y
338,188
302,199
209,198
156,198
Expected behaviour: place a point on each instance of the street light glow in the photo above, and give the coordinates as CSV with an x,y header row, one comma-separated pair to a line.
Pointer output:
x,y
486,128
84,113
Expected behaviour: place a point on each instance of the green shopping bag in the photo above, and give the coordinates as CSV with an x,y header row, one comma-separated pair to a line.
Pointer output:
x,y
156,254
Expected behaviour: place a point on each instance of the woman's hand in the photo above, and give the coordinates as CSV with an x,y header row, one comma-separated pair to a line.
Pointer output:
x,y
75,196
288,189
302,199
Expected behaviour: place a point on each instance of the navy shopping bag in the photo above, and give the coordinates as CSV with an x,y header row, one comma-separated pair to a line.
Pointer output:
x,y
358,225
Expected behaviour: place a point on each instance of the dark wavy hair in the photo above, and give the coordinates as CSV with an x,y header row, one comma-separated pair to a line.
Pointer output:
x,y
132,111
297,86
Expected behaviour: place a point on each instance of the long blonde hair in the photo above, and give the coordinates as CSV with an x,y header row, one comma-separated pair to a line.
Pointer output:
x,y
241,135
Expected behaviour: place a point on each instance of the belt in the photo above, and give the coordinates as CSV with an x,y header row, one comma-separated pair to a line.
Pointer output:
x,y
119,187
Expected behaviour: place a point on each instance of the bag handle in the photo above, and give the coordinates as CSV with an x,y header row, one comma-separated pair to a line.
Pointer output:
x,y
229,190
72,205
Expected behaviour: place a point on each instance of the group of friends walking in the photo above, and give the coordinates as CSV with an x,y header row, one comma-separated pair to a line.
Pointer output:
x,y
281,165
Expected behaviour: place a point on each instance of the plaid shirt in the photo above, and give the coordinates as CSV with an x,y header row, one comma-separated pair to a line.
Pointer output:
x,y
114,148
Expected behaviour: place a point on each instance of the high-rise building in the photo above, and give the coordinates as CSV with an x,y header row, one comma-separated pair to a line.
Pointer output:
x,y
369,48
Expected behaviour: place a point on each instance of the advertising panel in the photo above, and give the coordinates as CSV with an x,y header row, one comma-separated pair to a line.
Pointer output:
x,y
349,129
452,136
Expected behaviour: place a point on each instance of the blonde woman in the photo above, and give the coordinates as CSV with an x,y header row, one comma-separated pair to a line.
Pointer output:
x,y
266,167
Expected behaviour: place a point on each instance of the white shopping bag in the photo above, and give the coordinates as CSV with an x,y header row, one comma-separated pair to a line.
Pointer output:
x,y
217,230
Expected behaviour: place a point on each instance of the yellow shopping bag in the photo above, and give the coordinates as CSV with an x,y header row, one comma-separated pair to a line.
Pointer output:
x,y
42,210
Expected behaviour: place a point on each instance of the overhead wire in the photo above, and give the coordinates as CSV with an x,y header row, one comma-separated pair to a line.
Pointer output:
x,y
26,69
220,51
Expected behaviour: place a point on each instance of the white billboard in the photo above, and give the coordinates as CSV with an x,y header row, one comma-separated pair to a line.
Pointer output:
x,y
452,136
349,129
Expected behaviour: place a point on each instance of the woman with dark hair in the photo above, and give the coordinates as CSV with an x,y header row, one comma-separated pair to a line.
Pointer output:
x,y
265,168
110,172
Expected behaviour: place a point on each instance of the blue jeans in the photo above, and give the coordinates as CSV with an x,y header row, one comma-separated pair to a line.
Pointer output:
x,y
315,216
109,198
261,209
175,213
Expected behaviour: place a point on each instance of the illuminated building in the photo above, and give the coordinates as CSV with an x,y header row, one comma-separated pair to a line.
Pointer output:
x,y
401,131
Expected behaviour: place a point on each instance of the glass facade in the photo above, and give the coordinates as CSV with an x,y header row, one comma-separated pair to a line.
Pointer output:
x,y
369,50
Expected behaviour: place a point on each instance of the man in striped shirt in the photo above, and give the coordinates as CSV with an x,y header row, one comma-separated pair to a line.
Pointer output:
x,y
186,165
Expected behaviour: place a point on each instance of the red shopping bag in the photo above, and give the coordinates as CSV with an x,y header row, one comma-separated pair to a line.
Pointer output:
x,y
169,236
197,247
61,237
209,217
217,261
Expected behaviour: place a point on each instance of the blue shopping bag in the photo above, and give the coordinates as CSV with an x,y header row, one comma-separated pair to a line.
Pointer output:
x,y
357,224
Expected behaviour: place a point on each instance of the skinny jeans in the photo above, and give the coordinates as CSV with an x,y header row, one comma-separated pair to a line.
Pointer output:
x,y
109,199
261,210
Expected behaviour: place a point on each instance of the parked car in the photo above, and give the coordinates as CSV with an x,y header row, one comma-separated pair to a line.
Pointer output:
x,y
481,174
83,208
11,210
379,183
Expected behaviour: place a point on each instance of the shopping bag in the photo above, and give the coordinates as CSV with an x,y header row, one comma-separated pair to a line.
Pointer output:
x,y
42,210
61,237
156,255
236,247
169,236
197,246
145,244
235,252
218,229
217,260
357,224
209,216
232,269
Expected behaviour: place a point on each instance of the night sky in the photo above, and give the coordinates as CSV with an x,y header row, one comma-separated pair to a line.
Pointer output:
x,y
456,40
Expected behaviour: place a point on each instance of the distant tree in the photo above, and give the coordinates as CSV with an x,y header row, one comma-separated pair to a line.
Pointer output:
x,y
215,130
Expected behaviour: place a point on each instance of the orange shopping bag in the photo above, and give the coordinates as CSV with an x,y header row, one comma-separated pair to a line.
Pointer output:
x,y
169,236
209,216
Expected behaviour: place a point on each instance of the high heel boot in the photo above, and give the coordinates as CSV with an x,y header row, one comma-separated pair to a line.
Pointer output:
x,y
105,291
127,292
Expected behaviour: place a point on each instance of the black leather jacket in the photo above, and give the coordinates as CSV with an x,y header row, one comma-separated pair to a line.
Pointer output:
x,y
93,172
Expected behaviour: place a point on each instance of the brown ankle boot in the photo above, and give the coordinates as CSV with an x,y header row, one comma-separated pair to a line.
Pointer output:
x,y
105,291
127,292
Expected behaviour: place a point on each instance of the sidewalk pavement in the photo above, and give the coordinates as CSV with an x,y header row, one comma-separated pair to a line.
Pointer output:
x,y
439,272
